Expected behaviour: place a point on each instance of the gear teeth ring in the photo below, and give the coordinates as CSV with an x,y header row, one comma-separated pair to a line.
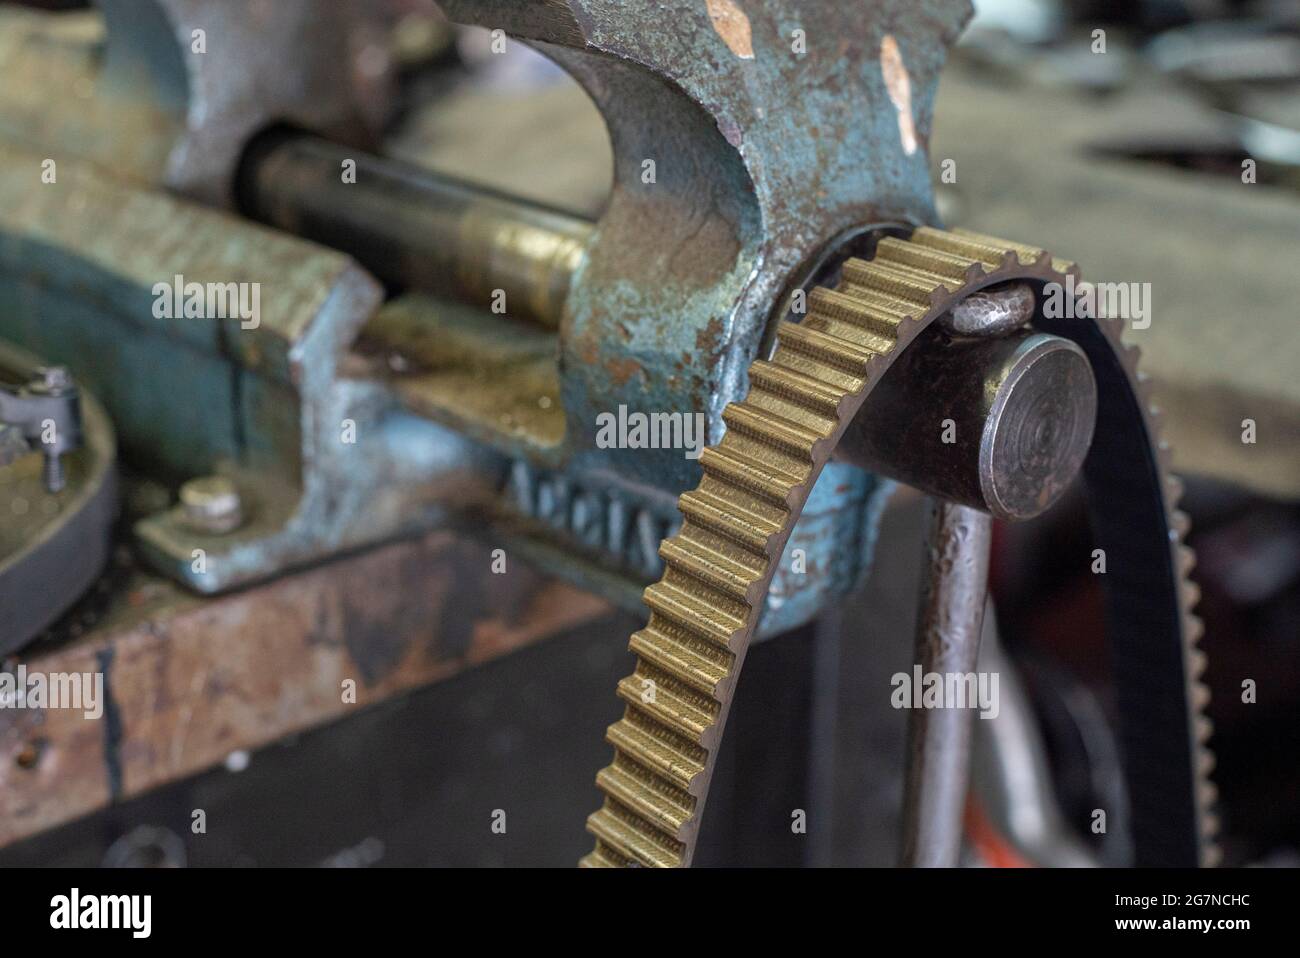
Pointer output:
x,y
719,565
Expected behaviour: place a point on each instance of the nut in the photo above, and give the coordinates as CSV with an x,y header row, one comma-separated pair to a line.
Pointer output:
x,y
212,504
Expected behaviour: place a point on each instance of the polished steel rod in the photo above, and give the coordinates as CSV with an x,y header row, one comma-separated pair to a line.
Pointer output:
x,y
415,228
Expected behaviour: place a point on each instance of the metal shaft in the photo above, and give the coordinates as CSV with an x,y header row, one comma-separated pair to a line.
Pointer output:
x,y
417,229
1002,423
947,643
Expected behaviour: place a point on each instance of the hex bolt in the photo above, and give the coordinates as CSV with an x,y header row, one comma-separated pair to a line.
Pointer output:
x,y
212,505
54,382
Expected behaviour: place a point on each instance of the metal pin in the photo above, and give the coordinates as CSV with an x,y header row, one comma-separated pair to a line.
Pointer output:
x,y
947,641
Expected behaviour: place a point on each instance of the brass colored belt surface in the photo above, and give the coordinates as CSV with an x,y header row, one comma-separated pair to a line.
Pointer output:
x,y
704,610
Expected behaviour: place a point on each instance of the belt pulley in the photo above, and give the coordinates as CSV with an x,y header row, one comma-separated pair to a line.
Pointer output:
x,y
704,611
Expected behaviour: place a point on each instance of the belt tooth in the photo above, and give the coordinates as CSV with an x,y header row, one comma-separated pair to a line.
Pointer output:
x,y
909,284
1202,728
682,712
832,350
937,262
646,794
1200,695
884,302
729,574
745,526
699,663
602,856
658,749
721,550
879,314
989,251
1209,829
846,383
1211,853
812,394
770,402
749,474
633,839
692,613
1027,255
1204,762
771,428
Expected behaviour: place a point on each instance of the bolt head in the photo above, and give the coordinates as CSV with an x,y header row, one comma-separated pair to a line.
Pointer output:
x,y
53,379
212,504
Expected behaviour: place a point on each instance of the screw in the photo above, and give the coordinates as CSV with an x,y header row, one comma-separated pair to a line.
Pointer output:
x,y
52,472
212,504
54,380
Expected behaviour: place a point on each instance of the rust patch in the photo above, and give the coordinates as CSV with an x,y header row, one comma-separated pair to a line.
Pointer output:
x,y
588,349
733,26
708,338
899,85
622,370
379,625
195,679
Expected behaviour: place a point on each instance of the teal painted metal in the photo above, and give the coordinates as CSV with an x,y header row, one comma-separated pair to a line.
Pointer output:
x,y
84,266
762,156
765,154
830,550
604,533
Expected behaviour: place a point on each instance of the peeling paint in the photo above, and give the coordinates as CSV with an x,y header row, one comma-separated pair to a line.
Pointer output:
x,y
899,85
621,370
733,26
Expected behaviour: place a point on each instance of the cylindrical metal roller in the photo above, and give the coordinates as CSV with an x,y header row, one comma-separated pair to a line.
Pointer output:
x,y
999,424
416,228
995,311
